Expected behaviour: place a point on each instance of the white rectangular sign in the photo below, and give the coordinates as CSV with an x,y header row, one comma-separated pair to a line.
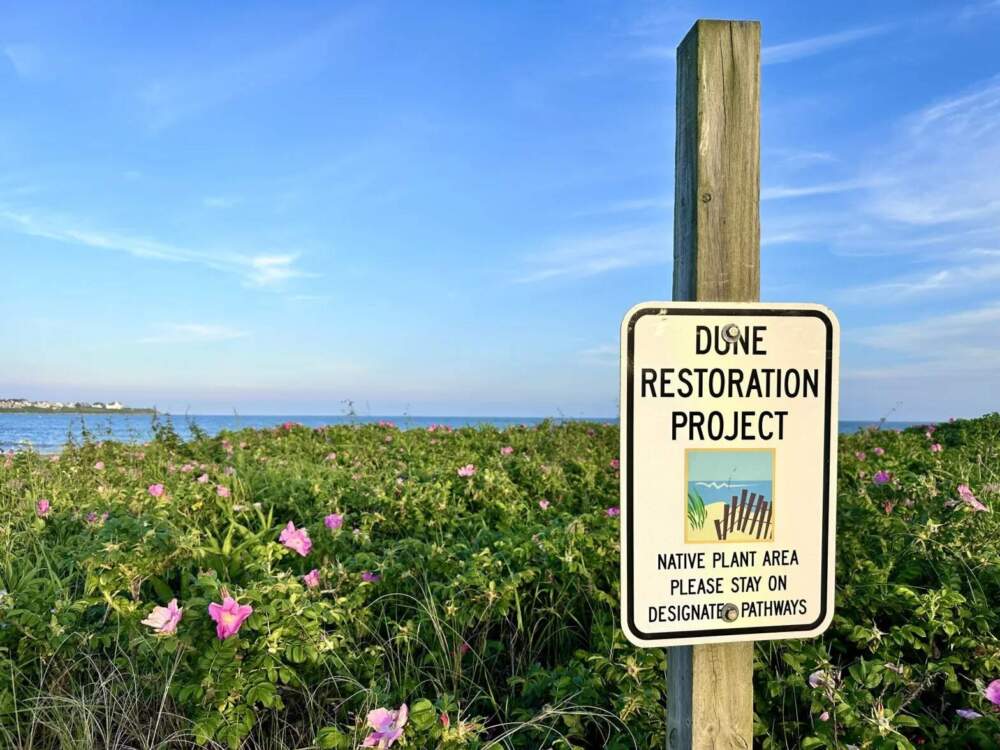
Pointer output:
x,y
728,471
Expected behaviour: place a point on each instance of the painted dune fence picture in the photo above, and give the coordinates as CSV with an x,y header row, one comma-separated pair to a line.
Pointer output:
x,y
729,496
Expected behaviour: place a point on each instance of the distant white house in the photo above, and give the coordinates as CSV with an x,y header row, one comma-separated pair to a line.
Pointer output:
x,y
114,405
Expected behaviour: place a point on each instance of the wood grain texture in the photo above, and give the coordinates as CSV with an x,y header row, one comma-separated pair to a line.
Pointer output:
x,y
716,258
717,163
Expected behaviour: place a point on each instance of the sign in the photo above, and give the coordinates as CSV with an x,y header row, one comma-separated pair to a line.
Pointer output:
x,y
728,471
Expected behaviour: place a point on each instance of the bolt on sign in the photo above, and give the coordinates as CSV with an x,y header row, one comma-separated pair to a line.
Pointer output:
x,y
728,471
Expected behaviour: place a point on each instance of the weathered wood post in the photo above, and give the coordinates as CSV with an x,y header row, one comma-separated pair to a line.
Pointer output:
x,y
716,258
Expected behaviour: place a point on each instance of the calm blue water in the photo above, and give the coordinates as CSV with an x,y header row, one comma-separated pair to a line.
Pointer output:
x,y
722,491
48,432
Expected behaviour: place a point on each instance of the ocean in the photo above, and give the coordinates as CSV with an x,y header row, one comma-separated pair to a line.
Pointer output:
x,y
48,433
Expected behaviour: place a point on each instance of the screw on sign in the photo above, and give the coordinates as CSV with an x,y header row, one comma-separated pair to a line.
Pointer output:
x,y
728,419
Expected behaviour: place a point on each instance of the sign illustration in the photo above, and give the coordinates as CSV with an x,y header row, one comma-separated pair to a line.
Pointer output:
x,y
728,465
730,495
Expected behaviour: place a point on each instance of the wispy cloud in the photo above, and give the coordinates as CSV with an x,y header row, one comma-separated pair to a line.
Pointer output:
x,y
590,255
219,201
202,81
262,269
824,188
192,333
26,59
959,278
602,355
789,51
961,343
944,169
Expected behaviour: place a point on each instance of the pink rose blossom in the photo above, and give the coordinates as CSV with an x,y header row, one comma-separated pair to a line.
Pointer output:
x,y
879,451
544,504
296,539
615,464
467,471
614,511
965,492
334,521
99,466
506,450
156,490
42,508
860,455
387,727
229,616
222,491
825,716
992,692
311,579
203,479
937,448
369,577
445,721
164,620
882,477
187,468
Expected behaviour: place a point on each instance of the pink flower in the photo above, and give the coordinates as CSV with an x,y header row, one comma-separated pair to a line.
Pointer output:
x,y
992,692
882,477
879,451
369,577
965,492
331,456
968,713
506,450
287,426
203,479
614,511
615,464
445,721
99,466
311,579
164,620
187,468
229,616
42,507
818,679
860,455
387,727
334,521
467,471
296,539
936,448
544,504
156,490
222,491
825,716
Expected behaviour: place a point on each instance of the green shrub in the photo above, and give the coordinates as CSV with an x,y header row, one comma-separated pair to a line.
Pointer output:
x,y
487,603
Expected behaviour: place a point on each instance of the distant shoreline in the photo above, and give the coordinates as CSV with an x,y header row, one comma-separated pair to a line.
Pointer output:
x,y
76,410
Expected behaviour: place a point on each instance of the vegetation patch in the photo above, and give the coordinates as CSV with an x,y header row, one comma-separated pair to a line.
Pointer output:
x,y
325,588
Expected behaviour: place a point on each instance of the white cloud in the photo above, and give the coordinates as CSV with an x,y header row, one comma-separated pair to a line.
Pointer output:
x,y
826,188
788,51
192,333
257,269
219,201
580,257
944,169
956,344
26,59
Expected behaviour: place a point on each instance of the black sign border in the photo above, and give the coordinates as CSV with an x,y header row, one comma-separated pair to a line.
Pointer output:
x,y
630,397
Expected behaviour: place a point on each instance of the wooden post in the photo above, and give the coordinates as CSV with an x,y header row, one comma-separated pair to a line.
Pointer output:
x,y
716,258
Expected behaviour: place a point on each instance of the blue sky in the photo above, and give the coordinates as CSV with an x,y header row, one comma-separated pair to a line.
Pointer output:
x,y
447,208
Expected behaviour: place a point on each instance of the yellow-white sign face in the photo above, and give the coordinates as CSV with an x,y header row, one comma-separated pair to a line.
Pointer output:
x,y
728,471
